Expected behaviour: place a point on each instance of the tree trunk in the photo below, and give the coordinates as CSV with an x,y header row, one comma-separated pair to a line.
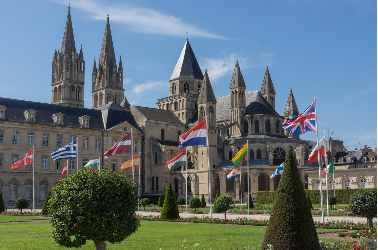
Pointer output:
x,y
100,245
225,215
370,220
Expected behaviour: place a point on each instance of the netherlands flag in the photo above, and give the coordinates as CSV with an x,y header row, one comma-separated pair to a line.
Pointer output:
x,y
195,136
234,174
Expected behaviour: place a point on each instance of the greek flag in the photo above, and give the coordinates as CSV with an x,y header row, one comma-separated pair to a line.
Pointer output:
x,y
68,151
278,171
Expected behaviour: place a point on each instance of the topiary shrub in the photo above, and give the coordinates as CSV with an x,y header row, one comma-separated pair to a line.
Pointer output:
x,y
203,202
2,205
195,203
161,201
144,202
170,209
331,200
364,202
309,201
214,208
180,200
250,201
46,204
291,225
224,203
21,203
93,205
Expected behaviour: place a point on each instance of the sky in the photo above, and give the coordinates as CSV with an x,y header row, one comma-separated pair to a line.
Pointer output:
x,y
325,49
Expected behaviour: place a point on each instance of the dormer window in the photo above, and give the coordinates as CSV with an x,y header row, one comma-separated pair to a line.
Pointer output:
x,y
84,121
30,115
2,112
58,118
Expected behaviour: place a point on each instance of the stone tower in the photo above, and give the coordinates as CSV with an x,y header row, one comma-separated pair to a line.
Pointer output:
x,y
238,103
184,86
207,107
107,82
291,109
267,89
68,70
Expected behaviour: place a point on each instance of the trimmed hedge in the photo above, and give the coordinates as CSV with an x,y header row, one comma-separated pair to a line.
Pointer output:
x,y
154,199
342,196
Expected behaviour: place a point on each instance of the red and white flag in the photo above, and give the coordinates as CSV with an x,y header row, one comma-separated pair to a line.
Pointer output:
x,y
26,160
314,154
123,146
64,172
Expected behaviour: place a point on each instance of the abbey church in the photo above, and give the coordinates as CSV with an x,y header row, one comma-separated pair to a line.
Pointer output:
x,y
234,120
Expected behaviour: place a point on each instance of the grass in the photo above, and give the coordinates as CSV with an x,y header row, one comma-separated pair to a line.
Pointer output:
x,y
12,218
151,235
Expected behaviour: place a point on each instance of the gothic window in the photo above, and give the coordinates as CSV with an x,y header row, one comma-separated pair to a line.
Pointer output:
x,y
43,189
162,134
230,155
152,183
258,156
93,78
267,126
211,115
245,127
251,154
277,126
199,88
28,190
186,87
363,183
55,94
67,63
120,76
176,105
257,127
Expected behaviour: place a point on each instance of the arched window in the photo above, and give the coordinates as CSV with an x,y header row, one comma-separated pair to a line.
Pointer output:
x,y
199,88
258,156
230,155
277,126
167,106
152,183
176,184
347,184
186,87
317,185
245,127
257,126
12,190
28,190
162,134
176,105
363,183
43,189
251,154
267,126
263,182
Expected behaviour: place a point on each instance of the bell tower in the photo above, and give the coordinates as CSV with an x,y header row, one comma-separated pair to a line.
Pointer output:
x,y
238,103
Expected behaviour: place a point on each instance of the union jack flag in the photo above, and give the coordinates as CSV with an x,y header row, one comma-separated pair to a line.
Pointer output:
x,y
302,123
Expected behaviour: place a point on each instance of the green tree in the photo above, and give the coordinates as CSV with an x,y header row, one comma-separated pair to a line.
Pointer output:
x,y
364,202
309,201
21,203
144,202
195,203
224,203
181,200
291,225
250,202
203,202
46,204
331,201
170,209
215,209
93,205
2,205
161,201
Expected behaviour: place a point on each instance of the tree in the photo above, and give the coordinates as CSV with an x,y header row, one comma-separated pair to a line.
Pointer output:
x,y
161,201
223,203
21,203
203,202
170,209
331,201
2,205
144,202
195,203
250,202
309,201
364,202
291,225
215,209
93,205
45,205
181,200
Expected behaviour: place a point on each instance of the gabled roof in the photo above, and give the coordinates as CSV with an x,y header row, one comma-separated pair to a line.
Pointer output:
x,y
113,114
158,114
187,65
206,94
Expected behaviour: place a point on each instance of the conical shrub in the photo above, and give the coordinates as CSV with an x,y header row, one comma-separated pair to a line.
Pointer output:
x,y
215,209
45,205
203,202
170,209
291,225
161,201
2,205
250,202
309,201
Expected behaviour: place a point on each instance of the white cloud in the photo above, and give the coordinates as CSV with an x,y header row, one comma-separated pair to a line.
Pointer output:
x,y
141,20
126,81
149,87
364,92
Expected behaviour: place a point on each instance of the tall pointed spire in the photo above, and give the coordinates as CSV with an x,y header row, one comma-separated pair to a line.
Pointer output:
x,y
94,65
107,56
237,78
291,109
267,86
68,44
207,94
187,65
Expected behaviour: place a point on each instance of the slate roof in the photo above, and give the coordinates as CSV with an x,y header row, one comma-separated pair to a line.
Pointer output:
x,y
159,114
187,65
256,104
207,94
104,118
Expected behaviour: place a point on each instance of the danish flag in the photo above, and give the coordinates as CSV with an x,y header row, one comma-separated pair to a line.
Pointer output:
x,y
302,123
26,160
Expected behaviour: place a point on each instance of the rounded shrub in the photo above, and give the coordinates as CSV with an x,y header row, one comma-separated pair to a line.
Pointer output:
x,y
170,209
331,201
181,201
224,203
144,202
364,202
21,203
46,204
195,203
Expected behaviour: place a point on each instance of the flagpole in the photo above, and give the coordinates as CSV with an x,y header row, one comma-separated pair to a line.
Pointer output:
x,y
67,168
132,152
248,173
319,161
208,163
77,155
186,181
33,180
99,166
326,163
240,187
334,183
140,164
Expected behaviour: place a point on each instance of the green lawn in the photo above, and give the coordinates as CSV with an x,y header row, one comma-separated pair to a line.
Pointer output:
x,y
12,218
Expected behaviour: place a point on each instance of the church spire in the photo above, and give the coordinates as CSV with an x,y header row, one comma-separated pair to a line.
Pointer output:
x,y
237,80
68,44
206,94
291,109
107,56
267,89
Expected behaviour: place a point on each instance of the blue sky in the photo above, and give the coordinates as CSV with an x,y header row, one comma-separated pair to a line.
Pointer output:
x,y
326,49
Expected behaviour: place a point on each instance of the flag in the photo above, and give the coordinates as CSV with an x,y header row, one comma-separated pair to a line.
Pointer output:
x,y
314,154
195,136
240,157
329,169
278,171
129,165
178,161
68,151
93,165
122,146
234,174
64,172
301,123
26,160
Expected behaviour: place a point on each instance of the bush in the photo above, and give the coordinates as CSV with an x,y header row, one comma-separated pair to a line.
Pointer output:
x,y
250,202
331,200
2,206
161,201
309,201
291,225
195,203
93,205
144,202
46,204
364,202
223,203
21,203
203,202
180,200
215,209
170,209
